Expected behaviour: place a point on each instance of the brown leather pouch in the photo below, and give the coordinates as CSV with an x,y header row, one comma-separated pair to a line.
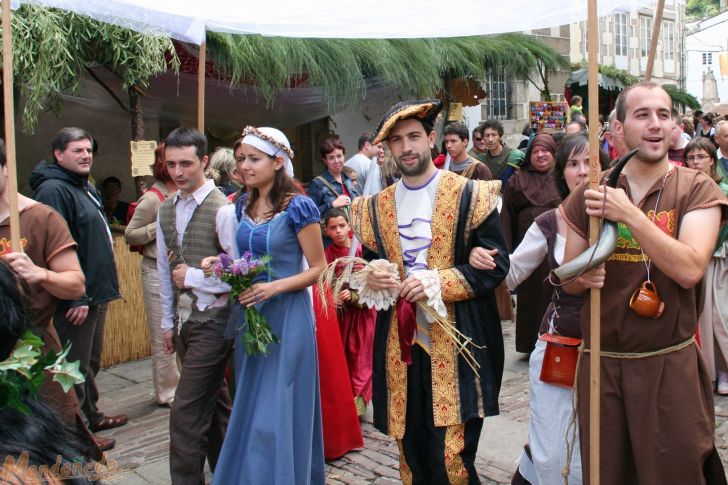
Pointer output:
x,y
559,360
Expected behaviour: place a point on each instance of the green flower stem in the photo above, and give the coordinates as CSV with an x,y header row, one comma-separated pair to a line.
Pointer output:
x,y
258,334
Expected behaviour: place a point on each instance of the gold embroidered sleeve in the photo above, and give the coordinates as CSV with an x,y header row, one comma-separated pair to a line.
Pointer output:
x,y
454,286
484,201
362,222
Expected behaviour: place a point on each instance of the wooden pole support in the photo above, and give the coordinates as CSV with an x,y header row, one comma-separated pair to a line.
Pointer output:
x,y
594,294
10,127
653,42
201,88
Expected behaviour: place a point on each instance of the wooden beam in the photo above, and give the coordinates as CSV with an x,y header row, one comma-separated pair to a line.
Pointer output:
x,y
595,293
655,36
201,88
12,188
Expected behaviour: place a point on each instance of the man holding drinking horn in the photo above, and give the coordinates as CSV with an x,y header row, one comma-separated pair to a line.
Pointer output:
x,y
438,347
656,397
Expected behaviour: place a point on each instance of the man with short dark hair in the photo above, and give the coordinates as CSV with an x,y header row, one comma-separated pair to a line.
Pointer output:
x,y
479,147
425,395
49,265
677,141
455,138
657,414
194,309
502,161
362,161
63,185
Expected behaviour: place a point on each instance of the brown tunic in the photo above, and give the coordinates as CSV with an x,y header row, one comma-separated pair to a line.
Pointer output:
x,y
477,170
656,412
43,235
527,195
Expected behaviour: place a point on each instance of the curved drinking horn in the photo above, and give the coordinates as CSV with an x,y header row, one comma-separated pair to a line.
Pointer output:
x,y
604,247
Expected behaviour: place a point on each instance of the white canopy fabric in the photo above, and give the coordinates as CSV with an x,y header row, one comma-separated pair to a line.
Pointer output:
x,y
187,20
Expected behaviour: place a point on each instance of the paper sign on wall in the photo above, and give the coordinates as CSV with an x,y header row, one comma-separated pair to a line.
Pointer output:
x,y
142,157
456,112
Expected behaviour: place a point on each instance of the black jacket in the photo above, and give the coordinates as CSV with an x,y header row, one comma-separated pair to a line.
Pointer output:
x,y
79,203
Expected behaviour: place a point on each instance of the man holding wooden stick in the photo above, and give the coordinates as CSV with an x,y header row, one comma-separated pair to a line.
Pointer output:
x,y
656,398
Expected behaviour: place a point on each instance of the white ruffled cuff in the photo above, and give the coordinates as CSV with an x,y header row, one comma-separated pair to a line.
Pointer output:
x,y
374,298
430,279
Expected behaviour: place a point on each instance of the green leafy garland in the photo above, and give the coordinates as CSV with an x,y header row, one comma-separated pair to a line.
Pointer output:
x,y
23,372
52,49
611,71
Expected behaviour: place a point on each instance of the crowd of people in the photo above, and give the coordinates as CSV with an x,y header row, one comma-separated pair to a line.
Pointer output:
x,y
429,250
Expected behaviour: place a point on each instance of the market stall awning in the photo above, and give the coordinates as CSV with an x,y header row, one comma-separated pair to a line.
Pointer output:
x,y
187,20
581,77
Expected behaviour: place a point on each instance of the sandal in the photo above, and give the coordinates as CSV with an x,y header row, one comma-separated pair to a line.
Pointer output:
x,y
108,422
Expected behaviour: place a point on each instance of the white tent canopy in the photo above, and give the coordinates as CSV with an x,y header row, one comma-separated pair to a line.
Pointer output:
x,y
187,20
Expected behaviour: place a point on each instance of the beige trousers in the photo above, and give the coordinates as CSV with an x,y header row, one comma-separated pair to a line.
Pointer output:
x,y
165,371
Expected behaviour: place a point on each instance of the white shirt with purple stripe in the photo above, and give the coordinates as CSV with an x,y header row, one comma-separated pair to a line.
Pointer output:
x,y
414,220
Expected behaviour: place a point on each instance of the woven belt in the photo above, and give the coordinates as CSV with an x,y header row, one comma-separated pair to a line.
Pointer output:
x,y
644,355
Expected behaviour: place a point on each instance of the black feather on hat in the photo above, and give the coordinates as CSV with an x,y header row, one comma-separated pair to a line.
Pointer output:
x,y
423,109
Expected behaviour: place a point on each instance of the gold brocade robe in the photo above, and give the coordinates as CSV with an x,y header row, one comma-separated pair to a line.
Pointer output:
x,y
464,215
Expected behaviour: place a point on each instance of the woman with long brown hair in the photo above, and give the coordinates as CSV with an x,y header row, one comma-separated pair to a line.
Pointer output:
x,y
274,434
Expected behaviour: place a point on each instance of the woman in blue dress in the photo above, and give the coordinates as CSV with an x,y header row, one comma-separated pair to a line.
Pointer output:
x,y
275,435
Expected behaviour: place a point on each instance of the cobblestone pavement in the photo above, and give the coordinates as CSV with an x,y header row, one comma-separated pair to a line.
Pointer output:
x,y
142,448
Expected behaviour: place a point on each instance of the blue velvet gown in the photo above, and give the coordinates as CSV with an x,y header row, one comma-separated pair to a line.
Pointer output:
x,y
275,434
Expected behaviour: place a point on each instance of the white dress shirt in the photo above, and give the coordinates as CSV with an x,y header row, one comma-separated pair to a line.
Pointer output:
x,y
205,289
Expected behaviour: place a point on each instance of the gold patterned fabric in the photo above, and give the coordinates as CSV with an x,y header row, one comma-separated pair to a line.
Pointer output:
x,y
359,213
405,473
443,354
426,110
454,445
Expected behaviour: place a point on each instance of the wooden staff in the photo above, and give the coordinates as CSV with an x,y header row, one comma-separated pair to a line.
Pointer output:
x,y
594,293
653,42
201,88
10,127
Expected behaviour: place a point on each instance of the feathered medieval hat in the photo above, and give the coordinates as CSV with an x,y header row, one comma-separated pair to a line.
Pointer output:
x,y
423,109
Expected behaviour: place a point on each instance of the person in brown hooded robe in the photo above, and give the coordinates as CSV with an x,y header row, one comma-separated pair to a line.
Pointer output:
x,y
528,194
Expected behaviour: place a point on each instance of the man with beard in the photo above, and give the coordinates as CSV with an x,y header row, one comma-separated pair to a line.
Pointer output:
x,y
425,394
500,159
656,396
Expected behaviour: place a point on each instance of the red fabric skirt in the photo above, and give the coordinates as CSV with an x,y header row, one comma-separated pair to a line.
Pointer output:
x,y
342,432
357,335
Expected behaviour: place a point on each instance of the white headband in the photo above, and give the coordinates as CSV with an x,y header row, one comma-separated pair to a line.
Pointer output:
x,y
268,147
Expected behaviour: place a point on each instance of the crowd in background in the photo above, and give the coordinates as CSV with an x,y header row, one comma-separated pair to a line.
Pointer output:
x,y
536,178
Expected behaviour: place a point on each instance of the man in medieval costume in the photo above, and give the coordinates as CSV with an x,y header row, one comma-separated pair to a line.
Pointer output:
x,y
426,395
656,397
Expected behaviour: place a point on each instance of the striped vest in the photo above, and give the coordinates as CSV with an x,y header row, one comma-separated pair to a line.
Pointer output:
x,y
198,242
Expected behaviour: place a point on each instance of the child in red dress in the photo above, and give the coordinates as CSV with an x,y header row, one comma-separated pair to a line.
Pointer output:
x,y
356,322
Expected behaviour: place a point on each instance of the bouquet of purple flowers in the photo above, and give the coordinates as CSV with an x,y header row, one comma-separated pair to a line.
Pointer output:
x,y
239,274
